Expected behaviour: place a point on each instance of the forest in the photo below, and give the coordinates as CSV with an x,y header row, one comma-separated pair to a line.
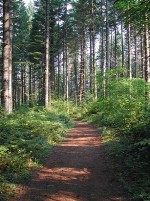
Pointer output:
x,y
62,60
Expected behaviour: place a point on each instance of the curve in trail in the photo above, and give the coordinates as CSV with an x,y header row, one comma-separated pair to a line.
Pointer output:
x,y
76,171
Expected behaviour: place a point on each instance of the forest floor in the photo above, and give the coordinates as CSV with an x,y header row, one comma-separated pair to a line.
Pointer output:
x,y
76,170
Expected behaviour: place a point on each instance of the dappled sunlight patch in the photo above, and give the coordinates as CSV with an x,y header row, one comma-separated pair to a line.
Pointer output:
x,y
83,142
63,174
118,198
82,138
65,196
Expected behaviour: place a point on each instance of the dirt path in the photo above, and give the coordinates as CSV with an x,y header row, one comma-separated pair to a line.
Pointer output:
x,y
76,171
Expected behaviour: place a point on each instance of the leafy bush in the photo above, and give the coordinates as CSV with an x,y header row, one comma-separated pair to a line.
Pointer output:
x,y
26,136
72,110
124,120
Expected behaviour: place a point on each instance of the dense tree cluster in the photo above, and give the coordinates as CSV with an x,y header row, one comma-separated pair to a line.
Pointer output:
x,y
91,58
56,49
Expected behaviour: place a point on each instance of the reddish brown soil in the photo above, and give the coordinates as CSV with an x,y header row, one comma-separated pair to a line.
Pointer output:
x,y
77,170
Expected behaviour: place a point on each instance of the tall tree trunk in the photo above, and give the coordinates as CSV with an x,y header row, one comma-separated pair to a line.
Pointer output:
x,y
64,59
93,87
14,86
7,59
91,67
91,47
30,86
46,79
142,59
76,78
104,81
122,45
25,85
135,55
82,66
107,37
52,69
67,77
58,80
102,39
115,52
111,50
22,84
147,51
94,69
129,51
10,83
66,51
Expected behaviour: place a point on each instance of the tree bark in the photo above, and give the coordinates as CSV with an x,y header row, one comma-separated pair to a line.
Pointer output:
x,y
91,67
46,83
7,59
76,78
107,37
94,69
115,52
129,51
147,51
58,80
82,66
135,55
142,60
67,77
122,45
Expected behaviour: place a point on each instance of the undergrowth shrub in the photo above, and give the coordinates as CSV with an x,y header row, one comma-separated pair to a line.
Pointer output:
x,y
123,117
72,110
26,136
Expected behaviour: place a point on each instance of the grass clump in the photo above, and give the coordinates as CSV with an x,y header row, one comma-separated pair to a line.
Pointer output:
x,y
26,136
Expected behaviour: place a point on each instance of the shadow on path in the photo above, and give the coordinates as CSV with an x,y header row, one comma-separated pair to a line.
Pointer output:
x,y
76,171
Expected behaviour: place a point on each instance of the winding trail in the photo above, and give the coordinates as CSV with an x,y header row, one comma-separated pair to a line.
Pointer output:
x,y
76,170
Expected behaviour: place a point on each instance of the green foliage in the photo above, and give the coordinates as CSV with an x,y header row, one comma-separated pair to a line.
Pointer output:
x,y
133,12
73,111
2,112
26,137
124,120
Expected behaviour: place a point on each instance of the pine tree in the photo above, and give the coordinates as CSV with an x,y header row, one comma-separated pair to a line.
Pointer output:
x,y
20,42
